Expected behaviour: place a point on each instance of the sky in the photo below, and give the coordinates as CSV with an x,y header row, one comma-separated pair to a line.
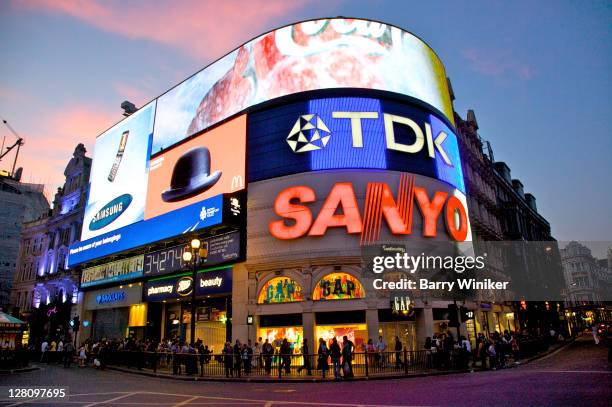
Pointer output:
x,y
537,75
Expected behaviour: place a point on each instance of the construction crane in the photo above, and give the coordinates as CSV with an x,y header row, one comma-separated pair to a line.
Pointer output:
x,y
17,144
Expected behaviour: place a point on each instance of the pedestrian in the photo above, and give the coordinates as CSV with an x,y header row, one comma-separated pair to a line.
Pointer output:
x,y
68,353
595,335
305,358
285,357
335,353
371,355
268,351
257,361
381,347
176,361
237,358
44,349
82,356
398,353
228,360
322,355
348,349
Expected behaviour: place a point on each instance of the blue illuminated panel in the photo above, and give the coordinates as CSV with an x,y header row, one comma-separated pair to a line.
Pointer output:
x,y
270,155
339,152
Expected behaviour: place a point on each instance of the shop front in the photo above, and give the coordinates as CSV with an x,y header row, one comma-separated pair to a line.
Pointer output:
x,y
169,300
114,313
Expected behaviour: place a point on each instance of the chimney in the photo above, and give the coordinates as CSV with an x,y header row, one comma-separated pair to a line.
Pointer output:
x,y
503,170
531,201
517,185
471,119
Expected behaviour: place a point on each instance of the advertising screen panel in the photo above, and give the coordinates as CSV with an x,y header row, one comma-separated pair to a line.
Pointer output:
x,y
317,54
208,282
352,133
121,270
188,219
211,164
119,175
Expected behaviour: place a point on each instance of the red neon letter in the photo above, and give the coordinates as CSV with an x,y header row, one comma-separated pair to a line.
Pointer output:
x,y
391,212
454,204
342,194
299,213
429,210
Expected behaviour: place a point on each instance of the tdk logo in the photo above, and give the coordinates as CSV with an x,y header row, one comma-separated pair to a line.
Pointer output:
x,y
310,133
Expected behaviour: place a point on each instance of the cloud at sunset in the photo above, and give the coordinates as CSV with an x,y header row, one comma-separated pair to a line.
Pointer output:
x,y
198,28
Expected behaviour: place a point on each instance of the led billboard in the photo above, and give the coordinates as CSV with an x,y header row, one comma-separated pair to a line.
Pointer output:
x,y
119,173
317,54
210,164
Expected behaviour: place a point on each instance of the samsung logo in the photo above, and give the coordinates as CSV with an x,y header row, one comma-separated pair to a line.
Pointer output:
x,y
110,212
115,296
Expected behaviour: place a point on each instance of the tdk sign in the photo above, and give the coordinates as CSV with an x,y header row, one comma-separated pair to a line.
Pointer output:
x,y
310,133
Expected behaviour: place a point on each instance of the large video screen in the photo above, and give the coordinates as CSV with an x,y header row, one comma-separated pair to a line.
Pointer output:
x,y
178,192
119,174
318,54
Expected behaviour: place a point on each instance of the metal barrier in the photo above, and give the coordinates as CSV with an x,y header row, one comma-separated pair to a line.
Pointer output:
x,y
295,365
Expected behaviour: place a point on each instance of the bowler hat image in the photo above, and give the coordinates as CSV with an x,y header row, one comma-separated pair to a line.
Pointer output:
x,y
191,175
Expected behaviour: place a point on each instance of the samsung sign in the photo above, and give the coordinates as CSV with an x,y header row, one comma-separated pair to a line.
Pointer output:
x,y
112,297
110,212
207,283
184,220
352,132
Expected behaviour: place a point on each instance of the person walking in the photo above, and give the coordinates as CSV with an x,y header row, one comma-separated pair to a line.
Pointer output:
x,y
237,358
68,353
82,356
336,353
268,351
348,349
381,347
228,360
285,357
322,355
306,359
398,353
595,335
44,350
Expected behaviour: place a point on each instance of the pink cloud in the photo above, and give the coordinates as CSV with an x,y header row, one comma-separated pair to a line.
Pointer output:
x,y
51,139
203,29
497,64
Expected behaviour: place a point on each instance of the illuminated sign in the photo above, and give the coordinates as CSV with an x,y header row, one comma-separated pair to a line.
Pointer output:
x,y
208,282
212,163
119,173
280,290
341,210
298,58
184,286
121,270
184,220
115,296
352,132
402,305
221,249
110,212
338,286
310,133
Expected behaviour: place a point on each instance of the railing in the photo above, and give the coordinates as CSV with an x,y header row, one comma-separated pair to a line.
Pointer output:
x,y
295,365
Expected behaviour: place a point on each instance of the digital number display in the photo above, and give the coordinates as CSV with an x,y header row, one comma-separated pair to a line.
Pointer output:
x,y
164,261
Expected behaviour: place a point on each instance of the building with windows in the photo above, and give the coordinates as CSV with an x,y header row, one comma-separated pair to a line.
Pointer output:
x,y
45,290
20,202
292,174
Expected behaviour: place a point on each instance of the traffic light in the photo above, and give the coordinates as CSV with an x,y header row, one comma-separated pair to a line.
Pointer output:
x,y
453,319
75,323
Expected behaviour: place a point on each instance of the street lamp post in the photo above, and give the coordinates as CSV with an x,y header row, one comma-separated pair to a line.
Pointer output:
x,y
194,253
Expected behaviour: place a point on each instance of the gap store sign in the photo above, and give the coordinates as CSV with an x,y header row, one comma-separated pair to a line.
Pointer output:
x,y
352,133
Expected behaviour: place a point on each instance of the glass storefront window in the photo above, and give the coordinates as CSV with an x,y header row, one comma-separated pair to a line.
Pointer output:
x,y
357,333
275,335
405,330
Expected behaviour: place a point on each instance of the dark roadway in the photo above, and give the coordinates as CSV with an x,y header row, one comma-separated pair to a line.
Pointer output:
x,y
577,375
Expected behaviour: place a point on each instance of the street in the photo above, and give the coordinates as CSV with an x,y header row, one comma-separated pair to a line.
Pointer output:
x,y
576,375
